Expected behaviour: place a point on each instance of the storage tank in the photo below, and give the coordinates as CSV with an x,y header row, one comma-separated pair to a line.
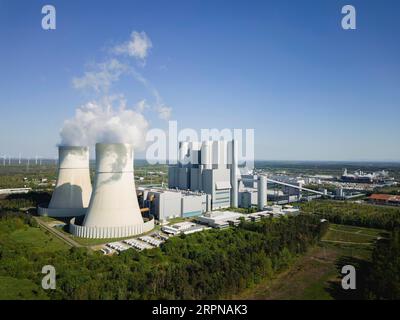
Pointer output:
x,y
114,209
262,192
233,165
73,188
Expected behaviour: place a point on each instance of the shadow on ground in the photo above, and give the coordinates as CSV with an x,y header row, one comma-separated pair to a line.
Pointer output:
x,y
335,287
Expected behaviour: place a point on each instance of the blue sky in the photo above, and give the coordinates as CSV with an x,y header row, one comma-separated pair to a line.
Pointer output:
x,y
311,90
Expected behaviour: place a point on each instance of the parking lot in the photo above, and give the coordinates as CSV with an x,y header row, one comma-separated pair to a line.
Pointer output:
x,y
152,240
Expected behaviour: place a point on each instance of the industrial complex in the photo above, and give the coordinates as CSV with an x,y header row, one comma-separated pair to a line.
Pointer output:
x,y
206,185
205,179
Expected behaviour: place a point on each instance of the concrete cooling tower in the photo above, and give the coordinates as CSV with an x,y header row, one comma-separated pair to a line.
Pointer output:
x,y
73,189
114,209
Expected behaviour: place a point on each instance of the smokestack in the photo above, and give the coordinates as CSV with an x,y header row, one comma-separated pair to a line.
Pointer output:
x,y
73,189
262,192
114,209
233,167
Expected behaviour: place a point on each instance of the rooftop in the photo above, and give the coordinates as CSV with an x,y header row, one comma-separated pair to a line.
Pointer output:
x,y
384,197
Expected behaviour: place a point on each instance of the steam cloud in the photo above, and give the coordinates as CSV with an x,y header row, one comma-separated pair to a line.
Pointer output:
x,y
138,46
100,121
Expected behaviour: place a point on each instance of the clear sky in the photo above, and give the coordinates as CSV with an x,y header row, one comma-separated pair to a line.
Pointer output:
x,y
311,90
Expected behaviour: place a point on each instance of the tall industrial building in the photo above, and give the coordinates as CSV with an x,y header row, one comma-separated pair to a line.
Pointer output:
x,y
73,189
209,167
113,210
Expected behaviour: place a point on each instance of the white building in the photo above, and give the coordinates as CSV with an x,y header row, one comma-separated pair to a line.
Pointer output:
x,y
167,203
207,167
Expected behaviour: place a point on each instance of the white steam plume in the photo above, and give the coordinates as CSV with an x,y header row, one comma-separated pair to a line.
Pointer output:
x,y
100,121
137,46
101,76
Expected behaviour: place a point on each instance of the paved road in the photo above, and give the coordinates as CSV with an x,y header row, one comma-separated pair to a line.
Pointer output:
x,y
58,234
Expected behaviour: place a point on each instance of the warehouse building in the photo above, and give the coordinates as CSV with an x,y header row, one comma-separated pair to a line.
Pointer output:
x,y
224,219
166,203
384,199
220,219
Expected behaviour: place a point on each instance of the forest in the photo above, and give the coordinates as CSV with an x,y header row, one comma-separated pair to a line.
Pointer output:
x,y
383,281
213,264
350,213
207,265
15,202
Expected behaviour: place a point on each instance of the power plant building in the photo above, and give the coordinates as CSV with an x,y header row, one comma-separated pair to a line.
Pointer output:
x,y
165,204
203,167
253,191
248,198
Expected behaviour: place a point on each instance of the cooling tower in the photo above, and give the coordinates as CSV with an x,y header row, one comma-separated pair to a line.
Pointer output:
x,y
114,209
73,189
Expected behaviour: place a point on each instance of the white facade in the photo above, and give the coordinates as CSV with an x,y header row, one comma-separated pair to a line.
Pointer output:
x,y
110,232
220,219
212,169
170,203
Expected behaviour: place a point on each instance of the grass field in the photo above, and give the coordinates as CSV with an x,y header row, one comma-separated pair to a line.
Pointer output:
x,y
35,239
23,239
316,275
12,288
343,233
